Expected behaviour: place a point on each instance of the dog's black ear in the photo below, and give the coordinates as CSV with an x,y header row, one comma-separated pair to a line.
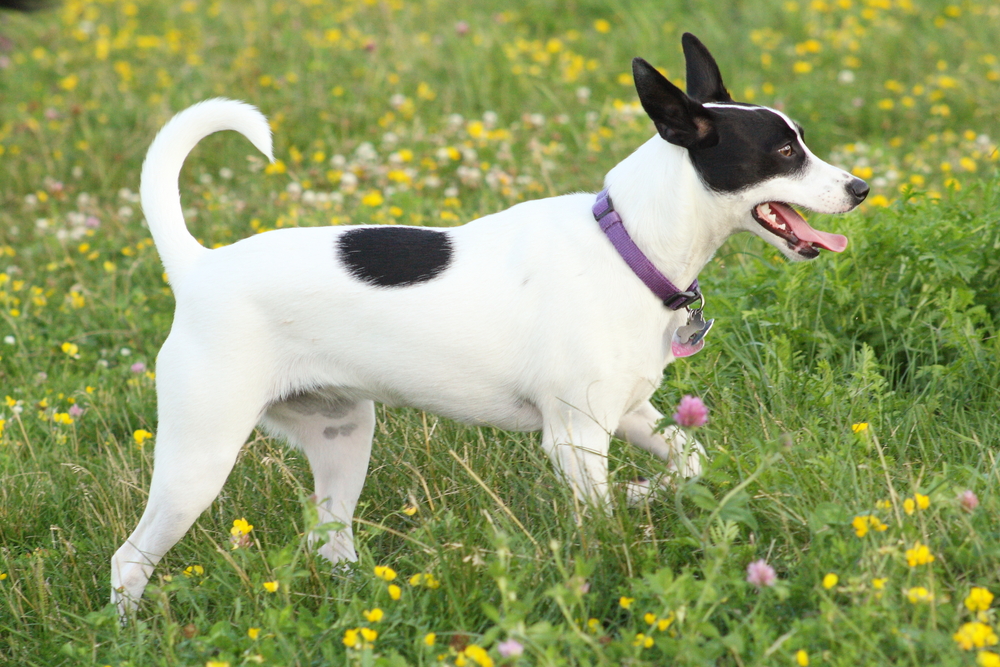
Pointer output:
x,y
704,81
679,119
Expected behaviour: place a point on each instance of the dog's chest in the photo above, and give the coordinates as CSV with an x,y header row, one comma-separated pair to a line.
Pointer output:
x,y
646,372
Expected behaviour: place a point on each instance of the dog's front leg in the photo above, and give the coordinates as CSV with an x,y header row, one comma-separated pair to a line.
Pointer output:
x,y
578,447
639,428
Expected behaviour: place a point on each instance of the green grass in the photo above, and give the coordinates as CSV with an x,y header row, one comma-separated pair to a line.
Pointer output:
x,y
899,332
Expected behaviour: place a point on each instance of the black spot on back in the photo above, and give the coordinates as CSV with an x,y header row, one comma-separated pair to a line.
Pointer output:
x,y
394,256
747,152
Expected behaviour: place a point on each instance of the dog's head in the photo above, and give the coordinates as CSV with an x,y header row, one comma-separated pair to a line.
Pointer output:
x,y
753,157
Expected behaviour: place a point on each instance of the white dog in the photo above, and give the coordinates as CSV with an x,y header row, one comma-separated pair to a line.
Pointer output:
x,y
556,315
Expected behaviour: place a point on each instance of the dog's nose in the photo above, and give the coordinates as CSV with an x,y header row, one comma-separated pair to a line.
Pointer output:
x,y
859,189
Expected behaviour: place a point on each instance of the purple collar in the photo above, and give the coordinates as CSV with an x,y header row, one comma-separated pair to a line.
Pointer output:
x,y
666,291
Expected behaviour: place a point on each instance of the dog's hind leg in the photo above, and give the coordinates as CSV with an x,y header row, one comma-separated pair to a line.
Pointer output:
x,y
639,427
206,413
578,446
336,435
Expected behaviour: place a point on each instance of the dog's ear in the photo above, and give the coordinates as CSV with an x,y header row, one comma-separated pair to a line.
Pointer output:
x,y
704,81
679,119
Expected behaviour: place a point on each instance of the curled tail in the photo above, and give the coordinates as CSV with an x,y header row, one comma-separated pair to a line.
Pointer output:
x,y
161,198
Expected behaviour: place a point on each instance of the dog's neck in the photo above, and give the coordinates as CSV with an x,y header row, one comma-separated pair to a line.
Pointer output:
x,y
667,210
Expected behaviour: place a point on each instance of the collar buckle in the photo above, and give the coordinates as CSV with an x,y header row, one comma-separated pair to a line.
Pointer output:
x,y
682,299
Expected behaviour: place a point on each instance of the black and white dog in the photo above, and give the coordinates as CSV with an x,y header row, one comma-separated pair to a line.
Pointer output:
x,y
556,315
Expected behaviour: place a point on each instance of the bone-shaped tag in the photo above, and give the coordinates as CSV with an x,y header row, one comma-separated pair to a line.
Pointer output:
x,y
690,338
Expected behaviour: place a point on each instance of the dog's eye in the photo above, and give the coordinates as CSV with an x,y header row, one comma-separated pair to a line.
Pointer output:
x,y
787,150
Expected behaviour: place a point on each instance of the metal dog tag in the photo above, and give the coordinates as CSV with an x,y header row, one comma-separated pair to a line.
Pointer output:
x,y
690,338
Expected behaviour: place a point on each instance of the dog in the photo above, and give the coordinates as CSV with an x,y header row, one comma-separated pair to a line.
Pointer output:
x,y
556,315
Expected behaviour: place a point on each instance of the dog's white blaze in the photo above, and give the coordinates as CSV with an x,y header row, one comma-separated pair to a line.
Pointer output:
x,y
789,121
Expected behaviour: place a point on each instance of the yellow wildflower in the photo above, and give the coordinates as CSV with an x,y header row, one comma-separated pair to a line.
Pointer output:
x,y
252,633
478,655
602,26
425,92
625,602
368,634
975,635
664,623
385,573
410,510
830,580
865,522
70,348
373,198
861,427
373,616
276,167
192,570
141,436
70,82
919,594
429,639
987,659
424,579
351,638
979,599
923,502
802,658
909,506
642,640
879,584
271,586
240,527
919,555
394,591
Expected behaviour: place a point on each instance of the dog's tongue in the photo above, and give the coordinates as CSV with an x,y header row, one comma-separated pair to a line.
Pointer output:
x,y
802,230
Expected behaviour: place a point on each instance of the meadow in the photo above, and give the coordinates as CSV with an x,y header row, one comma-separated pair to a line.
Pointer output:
x,y
847,513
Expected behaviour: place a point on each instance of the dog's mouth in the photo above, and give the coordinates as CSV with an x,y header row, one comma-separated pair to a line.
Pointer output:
x,y
785,222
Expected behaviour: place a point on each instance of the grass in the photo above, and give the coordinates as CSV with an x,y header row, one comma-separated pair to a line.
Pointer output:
x,y
436,113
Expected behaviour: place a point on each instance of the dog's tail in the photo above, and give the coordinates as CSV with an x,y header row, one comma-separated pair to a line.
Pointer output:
x,y
161,199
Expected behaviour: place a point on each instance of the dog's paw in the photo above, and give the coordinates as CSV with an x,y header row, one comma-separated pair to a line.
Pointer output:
x,y
640,490
335,546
